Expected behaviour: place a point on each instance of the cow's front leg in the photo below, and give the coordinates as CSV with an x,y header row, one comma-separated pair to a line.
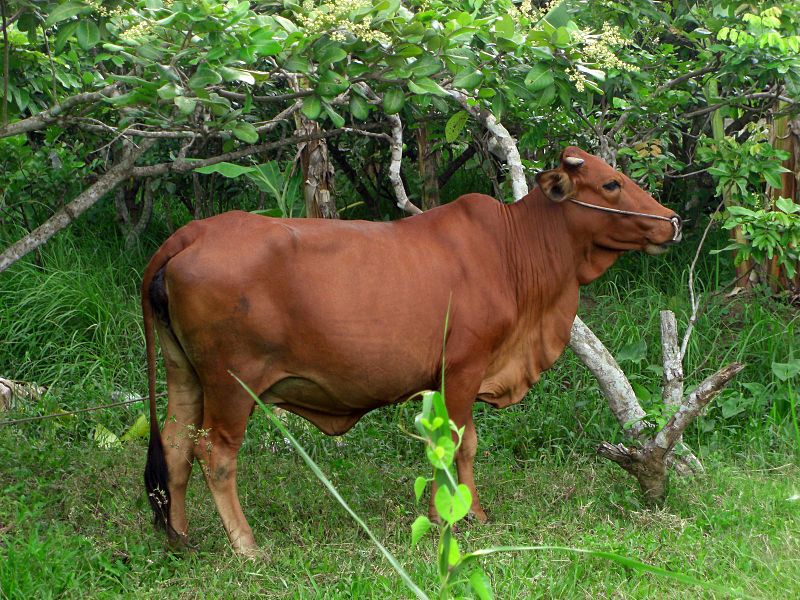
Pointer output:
x,y
465,459
462,390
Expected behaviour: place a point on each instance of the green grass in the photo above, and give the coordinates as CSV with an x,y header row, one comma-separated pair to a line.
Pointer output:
x,y
74,520
76,523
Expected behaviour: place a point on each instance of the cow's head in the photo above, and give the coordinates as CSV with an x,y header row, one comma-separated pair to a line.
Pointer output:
x,y
608,206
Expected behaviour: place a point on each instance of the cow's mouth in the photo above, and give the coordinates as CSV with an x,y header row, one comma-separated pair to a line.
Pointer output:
x,y
656,249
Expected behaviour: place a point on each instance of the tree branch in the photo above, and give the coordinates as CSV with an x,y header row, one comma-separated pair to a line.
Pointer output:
x,y
456,165
51,115
180,165
519,185
68,213
396,145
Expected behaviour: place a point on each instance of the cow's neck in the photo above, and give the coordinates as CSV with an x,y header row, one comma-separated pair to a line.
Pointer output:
x,y
578,257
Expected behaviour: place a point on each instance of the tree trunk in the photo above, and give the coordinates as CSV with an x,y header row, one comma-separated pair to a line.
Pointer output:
x,y
317,172
743,269
785,136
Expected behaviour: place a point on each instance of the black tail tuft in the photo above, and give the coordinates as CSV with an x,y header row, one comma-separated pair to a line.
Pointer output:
x,y
156,477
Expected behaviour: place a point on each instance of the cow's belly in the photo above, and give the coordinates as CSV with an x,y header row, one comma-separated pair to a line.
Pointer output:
x,y
332,413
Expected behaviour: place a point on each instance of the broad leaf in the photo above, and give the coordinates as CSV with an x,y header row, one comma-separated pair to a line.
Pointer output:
x,y
312,106
88,34
204,76
64,11
455,124
420,484
225,169
426,85
359,107
419,528
393,100
481,585
634,352
245,131
468,79
539,77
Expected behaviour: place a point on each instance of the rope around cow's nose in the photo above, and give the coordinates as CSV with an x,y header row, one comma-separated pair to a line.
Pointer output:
x,y
675,221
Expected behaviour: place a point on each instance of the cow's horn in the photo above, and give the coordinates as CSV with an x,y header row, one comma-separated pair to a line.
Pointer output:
x,y
573,161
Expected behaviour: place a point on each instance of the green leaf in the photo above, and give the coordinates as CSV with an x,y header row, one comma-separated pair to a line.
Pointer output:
x,y
204,76
558,16
419,487
441,455
330,53
419,528
168,91
268,48
468,79
787,205
225,169
452,507
65,31
312,106
785,371
359,107
104,438
425,85
634,352
539,77
139,429
184,104
453,553
331,84
64,11
245,131
454,126
393,100
336,118
481,585
229,74
88,34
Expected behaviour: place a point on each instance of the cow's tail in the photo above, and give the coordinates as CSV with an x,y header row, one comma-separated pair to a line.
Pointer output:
x,y
154,300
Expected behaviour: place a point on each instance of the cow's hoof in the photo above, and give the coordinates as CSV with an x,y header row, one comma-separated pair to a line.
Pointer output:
x,y
179,542
478,515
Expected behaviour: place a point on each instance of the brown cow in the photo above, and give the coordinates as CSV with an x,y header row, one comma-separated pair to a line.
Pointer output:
x,y
332,319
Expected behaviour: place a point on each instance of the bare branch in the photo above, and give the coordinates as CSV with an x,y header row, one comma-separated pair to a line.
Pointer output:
x,y
693,300
107,182
519,184
613,383
180,165
686,77
51,115
691,407
396,144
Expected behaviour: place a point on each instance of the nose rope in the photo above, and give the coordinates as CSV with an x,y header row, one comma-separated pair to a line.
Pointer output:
x,y
674,221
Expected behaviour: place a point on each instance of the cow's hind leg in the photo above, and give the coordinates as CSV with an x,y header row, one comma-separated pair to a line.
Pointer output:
x,y
180,432
225,414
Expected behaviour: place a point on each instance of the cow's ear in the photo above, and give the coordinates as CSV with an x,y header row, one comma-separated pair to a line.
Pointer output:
x,y
555,184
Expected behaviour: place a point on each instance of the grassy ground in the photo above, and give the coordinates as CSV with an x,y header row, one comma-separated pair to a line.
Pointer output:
x,y
74,519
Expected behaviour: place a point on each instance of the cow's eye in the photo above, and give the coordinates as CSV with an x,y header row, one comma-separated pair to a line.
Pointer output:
x,y
611,185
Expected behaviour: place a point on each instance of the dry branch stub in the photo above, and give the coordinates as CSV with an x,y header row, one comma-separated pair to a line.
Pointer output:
x,y
648,463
